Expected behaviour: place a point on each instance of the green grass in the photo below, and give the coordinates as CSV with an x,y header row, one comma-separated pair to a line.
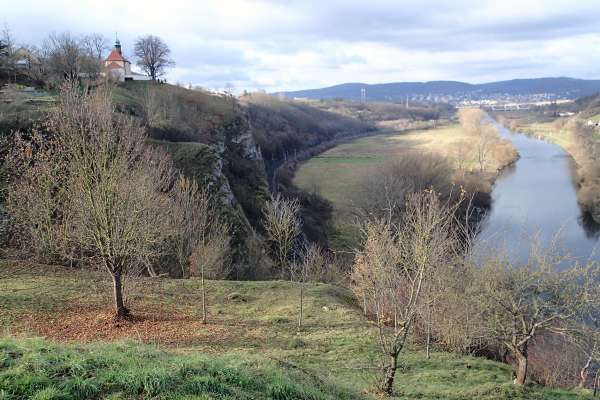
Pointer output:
x,y
250,349
550,132
595,117
338,174
37,369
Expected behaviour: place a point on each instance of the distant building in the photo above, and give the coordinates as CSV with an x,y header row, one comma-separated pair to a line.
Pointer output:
x,y
26,60
119,68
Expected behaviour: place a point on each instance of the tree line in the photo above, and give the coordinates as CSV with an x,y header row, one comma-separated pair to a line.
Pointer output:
x,y
88,191
67,56
416,274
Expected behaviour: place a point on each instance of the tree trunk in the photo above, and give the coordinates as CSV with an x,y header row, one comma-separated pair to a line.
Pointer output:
x,y
301,305
120,308
522,362
428,346
390,373
583,374
203,296
596,383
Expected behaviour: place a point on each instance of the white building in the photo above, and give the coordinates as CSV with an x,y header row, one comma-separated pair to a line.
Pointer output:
x,y
119,68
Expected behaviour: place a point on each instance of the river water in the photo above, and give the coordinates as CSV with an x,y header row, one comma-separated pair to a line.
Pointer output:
x,y
535,199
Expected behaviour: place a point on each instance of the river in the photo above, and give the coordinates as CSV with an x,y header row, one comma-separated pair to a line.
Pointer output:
x,y
536,198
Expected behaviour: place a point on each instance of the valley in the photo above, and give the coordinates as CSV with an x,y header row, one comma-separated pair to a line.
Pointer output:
x,y
182,218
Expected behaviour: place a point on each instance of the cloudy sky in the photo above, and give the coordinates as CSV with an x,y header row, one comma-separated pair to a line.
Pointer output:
x,y
297,44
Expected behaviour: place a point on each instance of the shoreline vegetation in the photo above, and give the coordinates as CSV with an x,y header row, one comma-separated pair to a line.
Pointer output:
x,y
577,139
469,155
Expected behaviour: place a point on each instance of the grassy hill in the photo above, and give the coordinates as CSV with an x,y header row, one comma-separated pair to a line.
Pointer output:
x,y
249,349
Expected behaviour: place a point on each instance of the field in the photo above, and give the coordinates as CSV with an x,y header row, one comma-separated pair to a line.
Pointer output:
x,y
549,131
249,349
338,173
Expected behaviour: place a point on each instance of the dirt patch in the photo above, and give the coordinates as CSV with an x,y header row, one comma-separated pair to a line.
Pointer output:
x,y
147,326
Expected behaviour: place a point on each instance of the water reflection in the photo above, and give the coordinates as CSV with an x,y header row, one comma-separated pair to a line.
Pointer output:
x,y
536,198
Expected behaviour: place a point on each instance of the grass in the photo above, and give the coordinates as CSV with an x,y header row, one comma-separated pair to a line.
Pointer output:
x,y
37,369
595,117
249,349
550,132
19,108
339,173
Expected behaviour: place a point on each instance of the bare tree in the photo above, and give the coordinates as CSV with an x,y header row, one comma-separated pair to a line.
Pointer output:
x,y
522,302
587,340
385,189
282,225
7,51
103,190
485,143
154,108
312,269
482,134
7,44
395,266
212,257
62,54
202,241
462,154
153,55
95,44
66,56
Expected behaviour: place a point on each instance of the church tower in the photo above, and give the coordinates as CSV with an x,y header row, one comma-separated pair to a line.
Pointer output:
x,y
116,65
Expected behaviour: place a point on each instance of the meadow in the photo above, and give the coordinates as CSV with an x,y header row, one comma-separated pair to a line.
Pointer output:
x,y
549,131
61,343
338,174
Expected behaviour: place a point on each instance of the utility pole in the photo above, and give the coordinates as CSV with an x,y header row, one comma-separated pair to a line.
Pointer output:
x,y
407,101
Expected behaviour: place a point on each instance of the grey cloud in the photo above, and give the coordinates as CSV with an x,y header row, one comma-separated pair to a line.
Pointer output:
x,y
263,43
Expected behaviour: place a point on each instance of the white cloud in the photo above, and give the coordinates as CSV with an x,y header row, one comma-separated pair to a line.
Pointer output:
x,y
295,44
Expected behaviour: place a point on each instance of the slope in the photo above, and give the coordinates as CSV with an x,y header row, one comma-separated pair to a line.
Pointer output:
x,y
249,349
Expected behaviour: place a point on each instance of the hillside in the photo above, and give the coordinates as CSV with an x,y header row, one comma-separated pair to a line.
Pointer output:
x,y
233,146
249,349
564,87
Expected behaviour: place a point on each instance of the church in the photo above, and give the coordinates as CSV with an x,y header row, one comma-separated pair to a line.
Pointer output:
x,y
119,68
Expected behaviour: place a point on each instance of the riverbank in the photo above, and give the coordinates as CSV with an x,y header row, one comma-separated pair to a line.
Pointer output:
x,y
553,130
578,141
339,173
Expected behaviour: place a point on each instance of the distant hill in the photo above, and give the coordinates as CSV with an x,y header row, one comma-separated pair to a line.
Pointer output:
x,y
560,87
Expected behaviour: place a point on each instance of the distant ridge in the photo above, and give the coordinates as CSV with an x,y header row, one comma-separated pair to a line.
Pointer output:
x,y
559,87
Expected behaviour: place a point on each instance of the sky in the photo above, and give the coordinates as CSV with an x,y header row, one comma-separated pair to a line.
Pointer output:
x,y
276,45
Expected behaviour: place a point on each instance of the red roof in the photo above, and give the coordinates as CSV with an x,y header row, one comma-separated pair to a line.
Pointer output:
x,y
115,55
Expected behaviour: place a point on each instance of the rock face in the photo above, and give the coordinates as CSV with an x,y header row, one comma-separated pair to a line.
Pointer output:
x,y
238,147
226,194
244,168
245,140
